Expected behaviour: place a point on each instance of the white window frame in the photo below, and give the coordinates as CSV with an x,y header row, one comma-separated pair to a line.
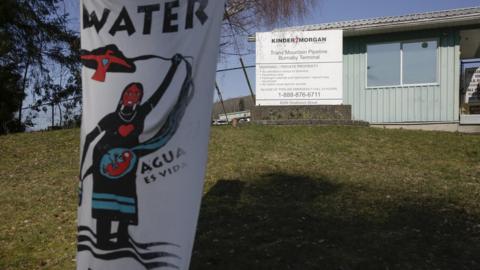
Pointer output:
x,y
437,76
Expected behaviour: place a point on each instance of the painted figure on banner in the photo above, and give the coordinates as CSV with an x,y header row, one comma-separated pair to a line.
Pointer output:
x,y
148,71
117,152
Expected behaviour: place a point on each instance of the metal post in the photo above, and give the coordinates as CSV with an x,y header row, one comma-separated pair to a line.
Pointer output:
x,y
248,80
237,48
221,100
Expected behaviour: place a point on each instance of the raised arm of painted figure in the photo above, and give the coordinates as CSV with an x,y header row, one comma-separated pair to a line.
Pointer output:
x,y
148,106
173,119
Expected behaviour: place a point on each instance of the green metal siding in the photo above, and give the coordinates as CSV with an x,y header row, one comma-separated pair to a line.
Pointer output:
x,y
413,103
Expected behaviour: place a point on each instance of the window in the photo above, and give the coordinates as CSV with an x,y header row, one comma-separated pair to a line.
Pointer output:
x,y
402,63
383,64
420,62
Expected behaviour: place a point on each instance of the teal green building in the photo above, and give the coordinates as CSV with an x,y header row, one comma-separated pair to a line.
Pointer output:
x,y
415,69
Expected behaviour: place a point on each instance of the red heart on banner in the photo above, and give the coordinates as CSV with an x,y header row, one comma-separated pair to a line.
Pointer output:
x,y
125,130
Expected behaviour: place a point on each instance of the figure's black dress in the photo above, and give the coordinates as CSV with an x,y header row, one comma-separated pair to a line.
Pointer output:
x,y
116,199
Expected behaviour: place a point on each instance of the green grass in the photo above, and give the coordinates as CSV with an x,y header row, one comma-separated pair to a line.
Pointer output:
x,y
276,198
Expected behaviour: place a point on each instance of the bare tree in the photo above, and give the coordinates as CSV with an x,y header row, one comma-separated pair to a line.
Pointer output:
x,y
267,12
244,17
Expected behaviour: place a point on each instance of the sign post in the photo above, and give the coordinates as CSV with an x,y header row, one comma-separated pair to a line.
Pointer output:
x,y
148,79
299,68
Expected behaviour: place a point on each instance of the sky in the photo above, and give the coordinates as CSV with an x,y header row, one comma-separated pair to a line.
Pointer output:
x,y
233,83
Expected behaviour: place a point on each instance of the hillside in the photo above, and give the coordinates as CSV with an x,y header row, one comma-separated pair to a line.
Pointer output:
x,y
275,198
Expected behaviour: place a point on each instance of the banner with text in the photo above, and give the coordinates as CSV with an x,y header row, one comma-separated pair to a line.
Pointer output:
x,y
299,68
148,79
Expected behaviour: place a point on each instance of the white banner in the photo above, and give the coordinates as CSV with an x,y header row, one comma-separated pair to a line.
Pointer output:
x,y
299,68
148,79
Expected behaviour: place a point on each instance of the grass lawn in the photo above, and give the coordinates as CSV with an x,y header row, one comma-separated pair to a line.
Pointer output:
x,y
276,198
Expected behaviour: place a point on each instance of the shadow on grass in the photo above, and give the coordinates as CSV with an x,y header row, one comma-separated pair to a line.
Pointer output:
x,y
282,221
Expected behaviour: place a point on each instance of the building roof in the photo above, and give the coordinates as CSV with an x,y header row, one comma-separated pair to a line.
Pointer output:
x,y
418,21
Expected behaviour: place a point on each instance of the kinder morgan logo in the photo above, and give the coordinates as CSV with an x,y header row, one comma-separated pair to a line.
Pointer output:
x,y
299,40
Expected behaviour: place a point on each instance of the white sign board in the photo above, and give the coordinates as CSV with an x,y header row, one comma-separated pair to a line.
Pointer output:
x,y
299,68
